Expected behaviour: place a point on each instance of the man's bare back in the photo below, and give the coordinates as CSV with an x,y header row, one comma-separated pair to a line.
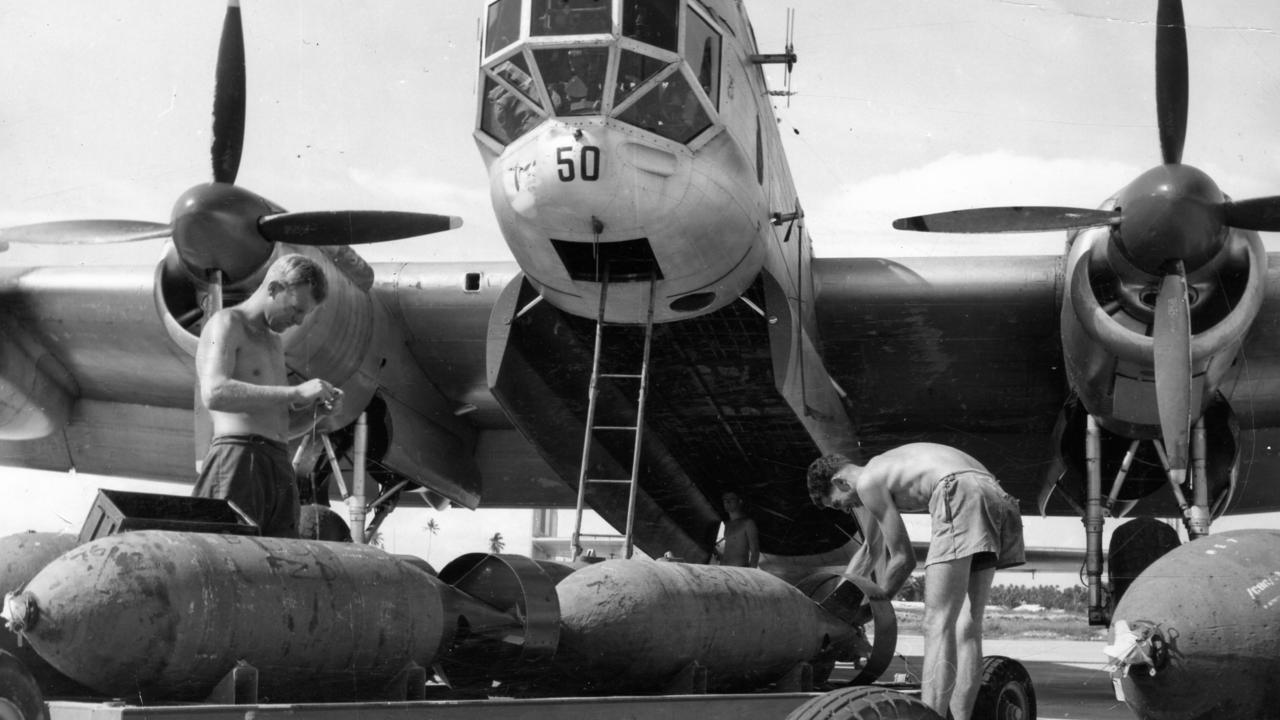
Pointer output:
x,y
911,472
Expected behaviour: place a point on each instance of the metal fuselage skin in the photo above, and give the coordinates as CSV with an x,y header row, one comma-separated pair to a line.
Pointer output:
x,y
629,143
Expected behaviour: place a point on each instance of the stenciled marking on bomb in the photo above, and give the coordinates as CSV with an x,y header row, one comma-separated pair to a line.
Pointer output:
x,y
1266,592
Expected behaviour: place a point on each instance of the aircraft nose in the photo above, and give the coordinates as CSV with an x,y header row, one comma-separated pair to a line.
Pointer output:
x,y
1172,212
578,181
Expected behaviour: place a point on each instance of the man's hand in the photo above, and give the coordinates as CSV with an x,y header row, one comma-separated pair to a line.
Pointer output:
x,y
333,405
316,393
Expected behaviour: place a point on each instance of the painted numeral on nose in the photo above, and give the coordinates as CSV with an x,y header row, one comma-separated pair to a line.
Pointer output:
x,y
586,165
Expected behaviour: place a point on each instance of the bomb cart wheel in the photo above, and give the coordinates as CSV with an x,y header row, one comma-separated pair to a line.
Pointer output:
x,y
321,522
864,702
1006,692
20,696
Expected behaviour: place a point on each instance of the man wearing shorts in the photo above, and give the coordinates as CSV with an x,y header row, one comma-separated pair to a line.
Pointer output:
x,y
255,411
976,529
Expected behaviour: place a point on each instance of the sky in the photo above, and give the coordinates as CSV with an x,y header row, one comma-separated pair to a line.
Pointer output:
x,y
901,107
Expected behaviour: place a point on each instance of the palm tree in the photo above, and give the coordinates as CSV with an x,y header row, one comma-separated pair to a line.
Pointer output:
x,y
432,527
496,543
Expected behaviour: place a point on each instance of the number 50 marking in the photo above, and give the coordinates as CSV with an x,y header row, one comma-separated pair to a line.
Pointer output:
x,y
587,165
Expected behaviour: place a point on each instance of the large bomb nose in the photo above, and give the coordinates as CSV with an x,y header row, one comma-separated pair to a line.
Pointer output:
x,y
1171,212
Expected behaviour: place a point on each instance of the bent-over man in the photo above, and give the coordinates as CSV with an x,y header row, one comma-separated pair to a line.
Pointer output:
x,y
976,529
255,411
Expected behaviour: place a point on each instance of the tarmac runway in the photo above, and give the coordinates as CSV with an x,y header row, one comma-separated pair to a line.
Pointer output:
x,y
1067,675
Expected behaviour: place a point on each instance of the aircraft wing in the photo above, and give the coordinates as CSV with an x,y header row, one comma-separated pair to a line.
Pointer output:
x,y
83,346
962,351
966,351
95,381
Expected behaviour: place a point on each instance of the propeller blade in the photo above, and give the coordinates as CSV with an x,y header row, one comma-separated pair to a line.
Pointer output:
x,y
1171,79
1008,220
1254,214
85,232
351,227
1171,340
229,98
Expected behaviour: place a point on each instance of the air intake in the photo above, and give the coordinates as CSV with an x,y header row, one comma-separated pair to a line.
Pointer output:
x,y
627,260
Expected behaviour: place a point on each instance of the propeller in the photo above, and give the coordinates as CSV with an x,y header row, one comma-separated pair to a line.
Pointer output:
x,y
1008,220
219,226
84,232
229,98
1171,79
1171,345
347,227
223,233
1170,221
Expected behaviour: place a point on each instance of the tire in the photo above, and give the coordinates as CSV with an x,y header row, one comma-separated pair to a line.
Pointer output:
x,y
865,702
1006,692
20,696
320,522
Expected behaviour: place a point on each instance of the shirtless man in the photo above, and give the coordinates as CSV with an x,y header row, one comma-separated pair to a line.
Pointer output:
x,y
976,528
741,539
255,411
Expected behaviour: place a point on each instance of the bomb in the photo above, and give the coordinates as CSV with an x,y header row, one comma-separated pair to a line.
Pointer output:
x,y
165,615
635,625
22,555
1197,635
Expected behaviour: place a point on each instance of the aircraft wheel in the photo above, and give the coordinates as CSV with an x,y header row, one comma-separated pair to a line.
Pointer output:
x,y
1006,692
1134,546
865,702
321,522
20,696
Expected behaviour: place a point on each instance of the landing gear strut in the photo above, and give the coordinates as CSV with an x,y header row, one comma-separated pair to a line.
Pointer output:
x,y
320,448
1196,516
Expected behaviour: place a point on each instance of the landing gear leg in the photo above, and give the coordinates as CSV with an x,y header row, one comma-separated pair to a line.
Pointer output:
x,y
1198,517
1093,521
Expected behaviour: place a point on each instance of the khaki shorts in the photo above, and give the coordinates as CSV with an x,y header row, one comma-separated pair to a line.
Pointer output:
x,y
973,516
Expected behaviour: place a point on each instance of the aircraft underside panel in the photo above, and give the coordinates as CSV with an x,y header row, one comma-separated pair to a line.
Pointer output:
x,y
714,421
117,439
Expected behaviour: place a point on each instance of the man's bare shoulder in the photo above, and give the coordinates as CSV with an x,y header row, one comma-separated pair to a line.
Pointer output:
x,y
225,324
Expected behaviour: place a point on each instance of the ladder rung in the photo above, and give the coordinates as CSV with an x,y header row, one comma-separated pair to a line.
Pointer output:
x,y
598,536
609,480
633,376
614,427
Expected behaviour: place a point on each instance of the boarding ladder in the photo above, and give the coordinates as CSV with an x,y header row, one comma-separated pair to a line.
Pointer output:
x,y
637,429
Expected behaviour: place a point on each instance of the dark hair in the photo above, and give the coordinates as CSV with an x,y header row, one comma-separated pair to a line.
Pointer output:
x,y
820,474
294,270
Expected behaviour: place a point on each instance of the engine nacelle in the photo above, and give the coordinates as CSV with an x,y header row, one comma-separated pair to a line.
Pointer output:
x,y
332,343
350,341
1107,319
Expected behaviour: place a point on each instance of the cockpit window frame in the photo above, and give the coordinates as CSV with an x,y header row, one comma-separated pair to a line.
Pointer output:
x,y
696,9
487,52
527,45
529,19
489,73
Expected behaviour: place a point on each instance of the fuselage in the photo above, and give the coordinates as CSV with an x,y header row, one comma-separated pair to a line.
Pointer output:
x,y
631,141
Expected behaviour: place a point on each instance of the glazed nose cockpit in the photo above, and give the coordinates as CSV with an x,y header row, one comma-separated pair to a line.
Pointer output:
x,y
575,68
611,133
